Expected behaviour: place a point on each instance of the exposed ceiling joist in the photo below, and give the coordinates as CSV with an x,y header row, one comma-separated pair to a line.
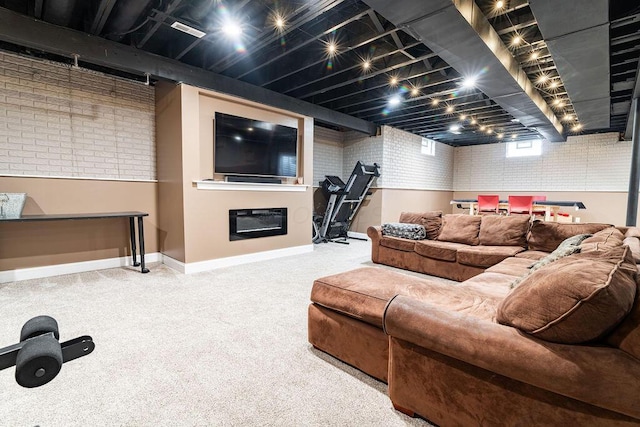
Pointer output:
x,y
459,33
102,14
25,31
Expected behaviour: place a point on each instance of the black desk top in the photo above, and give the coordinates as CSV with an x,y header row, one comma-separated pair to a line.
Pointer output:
x,y
59,217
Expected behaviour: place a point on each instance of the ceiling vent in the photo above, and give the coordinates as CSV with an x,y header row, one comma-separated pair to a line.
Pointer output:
x,y
187,29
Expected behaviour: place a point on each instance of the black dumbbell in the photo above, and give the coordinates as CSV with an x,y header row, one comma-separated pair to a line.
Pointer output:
x,y
39,356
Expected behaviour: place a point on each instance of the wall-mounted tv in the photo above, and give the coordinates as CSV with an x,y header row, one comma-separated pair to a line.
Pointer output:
x,y
253,147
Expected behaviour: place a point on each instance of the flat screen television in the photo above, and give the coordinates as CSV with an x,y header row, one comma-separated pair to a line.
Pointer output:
x,y
253,147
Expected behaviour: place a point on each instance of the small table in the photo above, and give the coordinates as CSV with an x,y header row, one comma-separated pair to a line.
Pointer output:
x,y
130,215
552,207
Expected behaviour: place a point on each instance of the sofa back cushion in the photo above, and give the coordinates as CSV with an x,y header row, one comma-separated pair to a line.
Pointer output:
x,y
576,299
627,335
546,236
460,228
603,240
431,221
498,230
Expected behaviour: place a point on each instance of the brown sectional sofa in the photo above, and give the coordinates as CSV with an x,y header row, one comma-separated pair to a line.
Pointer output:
x,y
483,353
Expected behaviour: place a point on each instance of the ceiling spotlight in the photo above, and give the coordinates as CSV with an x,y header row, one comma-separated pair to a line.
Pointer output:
x,y
394,101
474,121
278,21
232,29
415,91
543,78
449,109
500,135
463,117
553,84
567,117
435,101
516,40
393,81
514,136
489,130
577,127
469,82
366,64
332,48
499,4
483,127
534,55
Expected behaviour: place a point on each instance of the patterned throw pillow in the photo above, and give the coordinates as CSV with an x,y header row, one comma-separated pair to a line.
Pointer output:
x,y
404,230
569,246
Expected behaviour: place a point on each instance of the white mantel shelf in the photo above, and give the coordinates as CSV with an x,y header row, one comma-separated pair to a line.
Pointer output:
x,y
248,186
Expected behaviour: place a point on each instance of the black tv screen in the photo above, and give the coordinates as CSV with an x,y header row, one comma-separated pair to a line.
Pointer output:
x,y
253,147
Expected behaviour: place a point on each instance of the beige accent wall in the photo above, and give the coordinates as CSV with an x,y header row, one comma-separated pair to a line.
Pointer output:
x,y
35,244
205,213
386,204
606,207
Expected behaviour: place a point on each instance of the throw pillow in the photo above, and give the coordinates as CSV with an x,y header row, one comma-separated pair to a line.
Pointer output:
x,y
498,230
460,228
406,231
574,300
431,221
603,240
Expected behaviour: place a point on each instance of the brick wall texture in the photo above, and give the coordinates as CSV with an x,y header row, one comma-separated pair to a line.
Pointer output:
x,y
597,162
59,121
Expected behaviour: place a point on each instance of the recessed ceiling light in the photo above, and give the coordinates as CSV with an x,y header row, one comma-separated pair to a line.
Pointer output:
x,y
366,64
435,101
499,4
516,40
577,127
449,109
187,29
567,117
463,117
394,101
489,130
553,84
483,127
542,78
469,82
415,91
332,48
474,121
500,135
514,136
393,81
232,29
279,22
534,55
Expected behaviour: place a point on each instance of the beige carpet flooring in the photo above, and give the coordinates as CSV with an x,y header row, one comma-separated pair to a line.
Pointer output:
x,y
226,347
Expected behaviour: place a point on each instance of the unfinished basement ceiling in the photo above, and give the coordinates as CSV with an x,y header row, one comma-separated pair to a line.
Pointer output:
x,y
357,58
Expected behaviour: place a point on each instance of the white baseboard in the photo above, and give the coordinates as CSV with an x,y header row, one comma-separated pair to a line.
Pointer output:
x,y
212,264
74,267
358,235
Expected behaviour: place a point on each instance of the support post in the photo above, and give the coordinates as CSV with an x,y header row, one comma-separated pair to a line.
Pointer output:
x,y
634,177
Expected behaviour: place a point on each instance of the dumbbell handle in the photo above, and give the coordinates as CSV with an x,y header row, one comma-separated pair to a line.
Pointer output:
x,y
71,349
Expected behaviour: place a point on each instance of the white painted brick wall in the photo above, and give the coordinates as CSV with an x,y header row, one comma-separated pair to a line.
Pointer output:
x,y
367,149
407,167
597,162
328,152
59,121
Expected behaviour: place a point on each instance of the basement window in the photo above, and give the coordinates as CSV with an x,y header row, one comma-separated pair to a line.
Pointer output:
x,y
524,148
428,147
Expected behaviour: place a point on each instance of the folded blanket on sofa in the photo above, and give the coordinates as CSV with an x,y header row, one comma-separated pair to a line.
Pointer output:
x,y
404,230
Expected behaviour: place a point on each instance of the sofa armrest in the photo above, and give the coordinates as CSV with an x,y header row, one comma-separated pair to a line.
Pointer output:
x,y
602,376
375,234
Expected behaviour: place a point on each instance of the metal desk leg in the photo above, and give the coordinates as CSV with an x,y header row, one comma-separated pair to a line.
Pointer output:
x,y
132,230
143,269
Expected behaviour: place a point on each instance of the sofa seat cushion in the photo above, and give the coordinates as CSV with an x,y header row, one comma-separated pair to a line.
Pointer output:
x,y
574,300
546,236
490,283
460,228
431,221
398,243
498,230
512,266
486,256
363,294
534,255
444,251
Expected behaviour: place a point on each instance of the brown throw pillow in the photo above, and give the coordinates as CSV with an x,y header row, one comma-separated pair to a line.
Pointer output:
x,y
431,221
498,230
460,228
575,299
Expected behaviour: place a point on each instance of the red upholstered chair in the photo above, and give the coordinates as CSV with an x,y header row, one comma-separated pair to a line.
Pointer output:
x,y
520,204
537,210
488,203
